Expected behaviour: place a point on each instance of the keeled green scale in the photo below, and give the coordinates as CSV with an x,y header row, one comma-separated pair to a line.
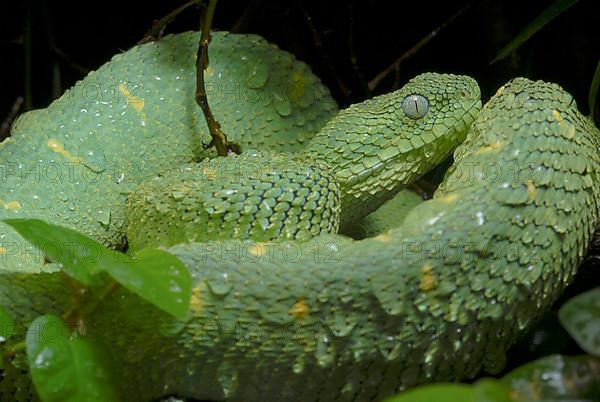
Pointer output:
x,y
359,155
258,196
75,162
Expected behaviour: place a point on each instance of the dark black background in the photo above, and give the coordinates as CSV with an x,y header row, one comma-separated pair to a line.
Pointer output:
x,y
376,32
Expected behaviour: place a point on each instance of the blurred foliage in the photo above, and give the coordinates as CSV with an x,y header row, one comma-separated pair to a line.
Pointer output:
x,y
552,378
556,377
155,275
557,8
581,317
485,390
68,367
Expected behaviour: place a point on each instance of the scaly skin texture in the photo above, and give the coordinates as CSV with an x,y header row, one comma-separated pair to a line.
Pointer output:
x,y
388,216
363,155
438,298
257,195
373,146
76,161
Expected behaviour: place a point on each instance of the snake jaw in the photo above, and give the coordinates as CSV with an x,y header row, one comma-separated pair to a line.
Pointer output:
x,y
382,141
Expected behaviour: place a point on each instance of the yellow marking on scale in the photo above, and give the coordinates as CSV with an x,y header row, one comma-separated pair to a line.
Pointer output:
x,y
257,249
196,300
11,205
6,141
531,191
59,148
299,309
296,90
557,116
209,173
500,90
132,100
490,148
427,278
567,127
3,250
448,198
383,237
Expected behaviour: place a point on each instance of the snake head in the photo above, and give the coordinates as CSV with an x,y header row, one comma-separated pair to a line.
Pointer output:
x,y
381,145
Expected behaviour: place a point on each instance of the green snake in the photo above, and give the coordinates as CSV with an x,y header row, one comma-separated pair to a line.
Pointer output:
x,y
297,312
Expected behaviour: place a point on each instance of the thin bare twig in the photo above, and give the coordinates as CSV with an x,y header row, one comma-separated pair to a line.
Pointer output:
x,y
219,139
11,351
243,22
49,26
65,58
158,27
319,45
5,126
27,56
77,291
425,40
82,306
353,56
397,77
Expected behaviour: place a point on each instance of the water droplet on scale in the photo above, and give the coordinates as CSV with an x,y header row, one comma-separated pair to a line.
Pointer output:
x,y
104,218
228,378
298,366
324,357
282,105
219,285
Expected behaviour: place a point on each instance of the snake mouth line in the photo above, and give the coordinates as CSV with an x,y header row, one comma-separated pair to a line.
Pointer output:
x,y
458,132
448,141
466,120
462,127
471,114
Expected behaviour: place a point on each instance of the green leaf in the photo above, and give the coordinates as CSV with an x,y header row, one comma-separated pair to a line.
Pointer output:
x,y
154,275
67,367
491,390
7,325
485,390
7,329
437,393
553,11
158,277
556,378
78,254
581,318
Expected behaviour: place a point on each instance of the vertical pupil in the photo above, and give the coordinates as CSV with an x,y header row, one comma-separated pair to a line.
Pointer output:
x,y
416,106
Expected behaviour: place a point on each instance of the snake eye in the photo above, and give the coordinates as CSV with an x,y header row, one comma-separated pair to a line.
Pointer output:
x,y
415,106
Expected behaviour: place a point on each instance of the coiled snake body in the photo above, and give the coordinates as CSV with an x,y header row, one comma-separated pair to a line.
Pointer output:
x,y
302,318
